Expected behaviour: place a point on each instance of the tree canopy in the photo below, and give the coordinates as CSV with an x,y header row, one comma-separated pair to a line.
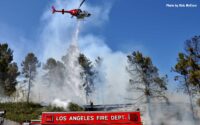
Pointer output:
x,y
55,72
8,70
29,70
145,76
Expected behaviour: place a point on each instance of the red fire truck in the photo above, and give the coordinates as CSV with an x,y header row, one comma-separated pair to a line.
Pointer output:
x,y
88,118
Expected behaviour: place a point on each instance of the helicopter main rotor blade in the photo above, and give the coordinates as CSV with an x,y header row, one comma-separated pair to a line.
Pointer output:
x,y
81,4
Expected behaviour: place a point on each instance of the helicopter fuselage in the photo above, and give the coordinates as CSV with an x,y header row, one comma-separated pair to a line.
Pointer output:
x,y
78,13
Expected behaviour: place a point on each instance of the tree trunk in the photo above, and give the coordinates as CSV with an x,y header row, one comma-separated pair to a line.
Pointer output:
x,y
191,104
190,99
86,97
149,110
29,87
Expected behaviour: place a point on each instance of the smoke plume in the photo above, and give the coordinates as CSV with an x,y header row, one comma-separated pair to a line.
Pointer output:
x,y
71,88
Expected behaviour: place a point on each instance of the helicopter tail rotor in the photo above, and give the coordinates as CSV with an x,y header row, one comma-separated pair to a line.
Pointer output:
x,y
53,9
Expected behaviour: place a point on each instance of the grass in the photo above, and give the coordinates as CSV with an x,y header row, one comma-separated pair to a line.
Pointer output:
x,y
22,111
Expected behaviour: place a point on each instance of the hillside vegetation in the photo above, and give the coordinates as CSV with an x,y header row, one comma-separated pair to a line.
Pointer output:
x,y
21,111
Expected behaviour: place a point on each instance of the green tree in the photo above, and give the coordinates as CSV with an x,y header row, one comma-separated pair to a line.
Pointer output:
x,y
8,70
145,78
188,68
55,72
148,81
74,107
192,54
29,70
88,75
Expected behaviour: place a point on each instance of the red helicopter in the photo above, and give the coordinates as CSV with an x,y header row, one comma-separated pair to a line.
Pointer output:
x,y
78,13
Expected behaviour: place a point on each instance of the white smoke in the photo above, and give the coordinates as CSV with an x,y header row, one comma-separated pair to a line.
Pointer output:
x,y
61,103
71,88
176,113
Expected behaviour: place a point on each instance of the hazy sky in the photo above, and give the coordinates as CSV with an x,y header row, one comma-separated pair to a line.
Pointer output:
x,y
146,25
